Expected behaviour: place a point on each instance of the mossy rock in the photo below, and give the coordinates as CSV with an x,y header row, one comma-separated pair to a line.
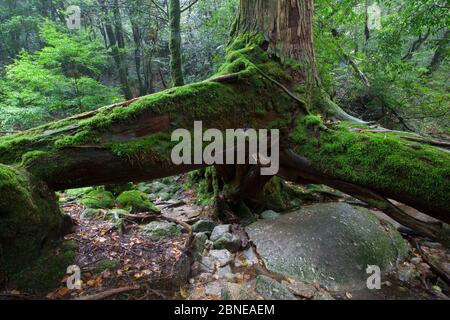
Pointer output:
x,y
162,230
136,201
30,219
98,199
46,273
78,192
89,214
279,196
328,243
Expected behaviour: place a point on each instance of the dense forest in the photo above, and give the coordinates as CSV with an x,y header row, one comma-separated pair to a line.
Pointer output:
x,y
358,90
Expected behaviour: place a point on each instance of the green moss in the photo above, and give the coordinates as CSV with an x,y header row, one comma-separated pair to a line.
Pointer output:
x,y
31,156
45,274
29,218
105,264
79,192
380,161
156,147
137,201
98,199
312,121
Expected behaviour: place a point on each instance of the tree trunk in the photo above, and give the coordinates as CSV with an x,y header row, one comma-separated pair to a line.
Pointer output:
x,y
440,54
117,44
176,64
131,141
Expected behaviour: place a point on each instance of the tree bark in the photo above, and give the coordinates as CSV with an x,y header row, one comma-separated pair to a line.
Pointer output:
x,y
176,63
114,33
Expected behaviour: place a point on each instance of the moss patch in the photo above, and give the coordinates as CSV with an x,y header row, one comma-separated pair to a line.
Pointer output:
x,y
29,218
137,201
98,199
45,274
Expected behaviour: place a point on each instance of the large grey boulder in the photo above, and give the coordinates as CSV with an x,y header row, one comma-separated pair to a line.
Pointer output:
x,y
270,289
329,243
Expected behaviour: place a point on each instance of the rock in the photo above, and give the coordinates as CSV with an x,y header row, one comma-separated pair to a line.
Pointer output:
x,y
156,186
164,196
234,291
89,214
144,187
269,215
98,199
301,289
228,241
213,288
199,244
327,243
77,193
219,231
250,256
215,258
162,229
225,272
407,272
203,226
272,290
323,295
136,201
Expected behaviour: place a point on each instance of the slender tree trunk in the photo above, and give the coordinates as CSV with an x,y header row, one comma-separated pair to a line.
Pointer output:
x,y
116,42
176,63
440,54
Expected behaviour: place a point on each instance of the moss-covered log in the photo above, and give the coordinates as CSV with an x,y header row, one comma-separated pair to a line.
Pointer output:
x,y
132,142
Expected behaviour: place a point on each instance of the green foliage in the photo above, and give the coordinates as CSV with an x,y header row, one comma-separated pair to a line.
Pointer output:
x,y
395,58
55,82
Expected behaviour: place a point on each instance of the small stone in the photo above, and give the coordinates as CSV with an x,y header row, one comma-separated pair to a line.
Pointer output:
x,y
215,258
251,257
272,290
269,215
234,291
222,257
228,241
203,226
219,231
323,296
224,272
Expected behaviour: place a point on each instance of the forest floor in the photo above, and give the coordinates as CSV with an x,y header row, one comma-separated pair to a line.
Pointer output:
x,y
124,262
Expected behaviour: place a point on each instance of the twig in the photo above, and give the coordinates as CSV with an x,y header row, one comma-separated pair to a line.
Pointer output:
x,y
108,293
